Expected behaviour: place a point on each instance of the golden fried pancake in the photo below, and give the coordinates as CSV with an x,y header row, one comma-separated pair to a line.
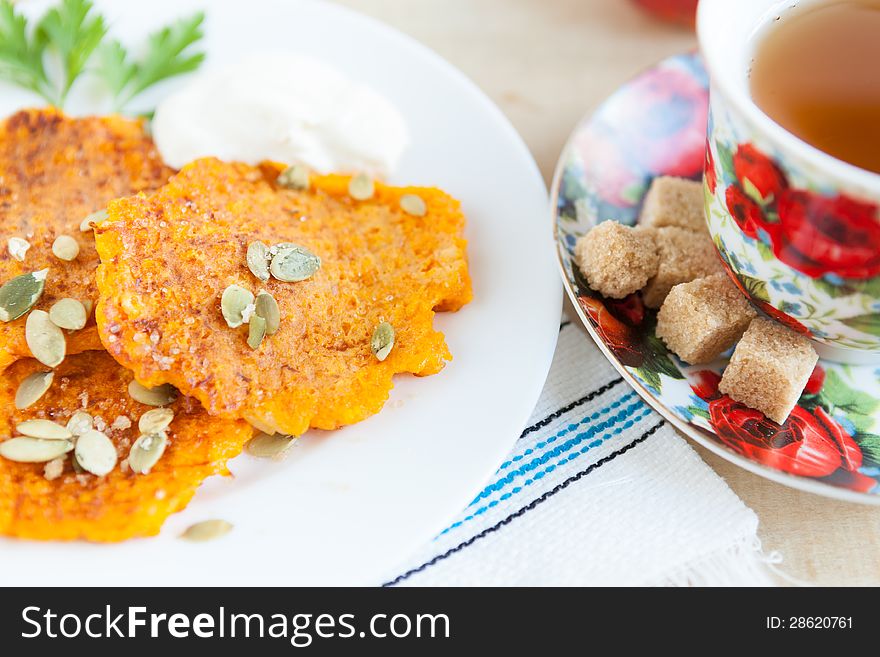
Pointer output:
x,y
121,504
166,260
54,171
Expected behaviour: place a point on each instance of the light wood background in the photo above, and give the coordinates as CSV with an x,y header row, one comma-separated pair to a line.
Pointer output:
x,y
548,62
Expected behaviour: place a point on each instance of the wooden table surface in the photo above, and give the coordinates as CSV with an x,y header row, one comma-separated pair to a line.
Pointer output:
x,y
548,62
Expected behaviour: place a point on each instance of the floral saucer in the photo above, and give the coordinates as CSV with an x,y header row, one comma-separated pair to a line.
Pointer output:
x,y
656,125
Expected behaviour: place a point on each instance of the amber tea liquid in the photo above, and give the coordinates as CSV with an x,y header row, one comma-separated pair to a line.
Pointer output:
x,y
816,72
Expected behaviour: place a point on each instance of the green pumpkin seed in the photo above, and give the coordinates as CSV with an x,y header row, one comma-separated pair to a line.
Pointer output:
x,y
45,340
20,294
294,263
32,388
361,187
206,530
382,340
92,220
68,314
65,248
43,429
18,248
256,331
155,420
258,260
266,307
95,453
233,303
158,396
146,452
295,177
79,423
413,204
33,450
269,446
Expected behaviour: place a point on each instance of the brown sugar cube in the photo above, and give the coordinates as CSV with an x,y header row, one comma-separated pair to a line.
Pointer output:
x,y
684,256
674,202
700,319
769,369
617,260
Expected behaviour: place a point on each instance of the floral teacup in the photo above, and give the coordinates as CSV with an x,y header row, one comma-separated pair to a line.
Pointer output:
x,y
798,229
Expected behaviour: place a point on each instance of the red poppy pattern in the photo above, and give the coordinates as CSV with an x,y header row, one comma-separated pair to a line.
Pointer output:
x,y
758,173
812,233
810,443
745,212
621,338
654,126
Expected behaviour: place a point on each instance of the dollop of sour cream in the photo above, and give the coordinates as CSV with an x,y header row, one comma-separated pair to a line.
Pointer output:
x,y
283,107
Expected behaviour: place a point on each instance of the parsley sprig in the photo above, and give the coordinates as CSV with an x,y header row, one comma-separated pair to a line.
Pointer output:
x,y
73,33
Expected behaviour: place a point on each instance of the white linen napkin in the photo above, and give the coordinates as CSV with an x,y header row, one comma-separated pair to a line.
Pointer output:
x,y
599,490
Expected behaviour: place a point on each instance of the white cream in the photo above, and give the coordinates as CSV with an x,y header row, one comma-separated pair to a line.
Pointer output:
x,y
283,107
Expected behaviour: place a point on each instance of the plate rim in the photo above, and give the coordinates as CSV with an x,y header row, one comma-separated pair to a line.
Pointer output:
x,y
540,365
694,433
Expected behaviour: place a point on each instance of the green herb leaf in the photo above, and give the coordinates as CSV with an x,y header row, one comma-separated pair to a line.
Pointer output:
x,y
74,32
114,67
21,55
169,53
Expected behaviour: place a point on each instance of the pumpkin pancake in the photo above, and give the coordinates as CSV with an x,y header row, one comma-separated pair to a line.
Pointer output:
x,y
167,258
55,171
121,504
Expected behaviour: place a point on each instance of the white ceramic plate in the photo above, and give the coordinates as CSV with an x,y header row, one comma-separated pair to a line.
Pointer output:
x,y
347,506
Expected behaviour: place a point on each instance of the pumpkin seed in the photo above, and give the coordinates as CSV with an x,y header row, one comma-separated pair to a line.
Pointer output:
x,y
232,304
95,453
146,452
382,340
295,177
89,306
256,331
68,314
43,429
65,248
32,388
77,468
155,420
92,220
267,308
294,263
361,187
413,204
206,530
258,260
266,446
33,450
18,248
45,340
20,294
79,423
261,424
158,396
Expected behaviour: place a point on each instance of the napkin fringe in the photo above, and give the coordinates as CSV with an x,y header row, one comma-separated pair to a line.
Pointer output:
x,y
742,564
